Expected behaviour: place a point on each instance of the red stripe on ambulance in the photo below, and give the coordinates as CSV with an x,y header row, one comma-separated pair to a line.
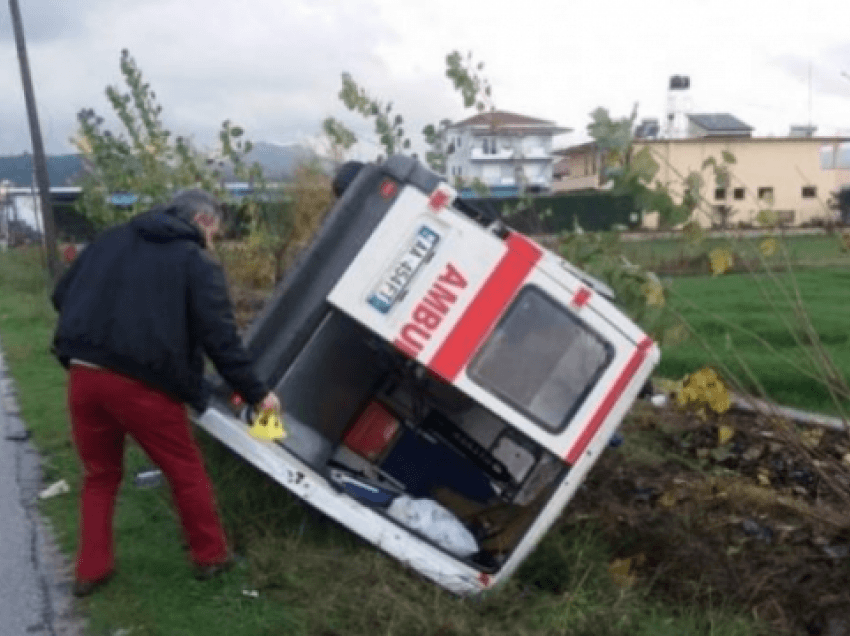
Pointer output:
x,y
430,311
485,309
610,400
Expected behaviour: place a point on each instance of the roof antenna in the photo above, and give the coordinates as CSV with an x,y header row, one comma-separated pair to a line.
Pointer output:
x,y
810,97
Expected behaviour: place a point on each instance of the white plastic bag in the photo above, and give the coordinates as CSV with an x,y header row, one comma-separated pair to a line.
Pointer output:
x,y
435,522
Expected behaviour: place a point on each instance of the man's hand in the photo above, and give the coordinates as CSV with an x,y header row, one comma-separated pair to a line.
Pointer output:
x,y
271,401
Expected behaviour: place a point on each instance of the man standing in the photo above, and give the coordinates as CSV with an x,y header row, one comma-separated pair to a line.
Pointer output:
x,y
138,310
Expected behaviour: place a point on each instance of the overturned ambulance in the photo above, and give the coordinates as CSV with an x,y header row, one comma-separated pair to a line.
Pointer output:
x,y
446,382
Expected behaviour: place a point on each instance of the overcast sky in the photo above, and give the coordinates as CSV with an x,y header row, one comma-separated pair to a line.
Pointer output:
x,y
274,67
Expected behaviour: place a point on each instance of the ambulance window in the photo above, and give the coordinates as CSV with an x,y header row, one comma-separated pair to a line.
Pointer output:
x,y
541,359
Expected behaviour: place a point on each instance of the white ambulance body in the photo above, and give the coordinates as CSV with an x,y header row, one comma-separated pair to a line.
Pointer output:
x,y
431,362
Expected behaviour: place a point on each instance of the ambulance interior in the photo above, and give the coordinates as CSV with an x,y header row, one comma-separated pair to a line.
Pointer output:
x,y
379,425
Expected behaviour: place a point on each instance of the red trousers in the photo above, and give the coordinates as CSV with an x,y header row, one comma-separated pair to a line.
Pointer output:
x,y
105,407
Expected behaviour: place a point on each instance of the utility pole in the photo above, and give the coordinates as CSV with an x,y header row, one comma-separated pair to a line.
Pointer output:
x,y
41,176
4,218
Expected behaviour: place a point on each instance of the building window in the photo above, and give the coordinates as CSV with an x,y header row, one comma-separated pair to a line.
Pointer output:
x,y
738,194
785,217
809,192
720,194
490,146
766,194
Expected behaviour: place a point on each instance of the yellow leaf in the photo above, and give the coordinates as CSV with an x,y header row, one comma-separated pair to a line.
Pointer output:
x,y
654,292
723,403
620,571
811,438
763,477
724,434
768,246
668,499
721,260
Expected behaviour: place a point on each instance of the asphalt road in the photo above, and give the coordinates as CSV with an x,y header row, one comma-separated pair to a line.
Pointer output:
x,y
35,580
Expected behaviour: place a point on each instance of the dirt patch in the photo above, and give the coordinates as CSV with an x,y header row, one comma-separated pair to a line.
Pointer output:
x,y
754,521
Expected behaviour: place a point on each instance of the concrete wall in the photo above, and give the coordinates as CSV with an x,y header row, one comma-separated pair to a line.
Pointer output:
x,y
783,166
583,164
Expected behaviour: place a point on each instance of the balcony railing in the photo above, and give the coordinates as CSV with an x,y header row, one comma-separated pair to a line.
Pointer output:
x,y
476,154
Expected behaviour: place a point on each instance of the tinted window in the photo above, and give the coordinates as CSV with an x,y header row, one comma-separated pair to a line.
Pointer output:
x,y
541,359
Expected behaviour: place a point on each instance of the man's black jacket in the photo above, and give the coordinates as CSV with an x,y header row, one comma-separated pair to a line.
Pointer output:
x,y
146,300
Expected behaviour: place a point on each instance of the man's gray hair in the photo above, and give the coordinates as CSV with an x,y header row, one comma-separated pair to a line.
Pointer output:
x,y
187,203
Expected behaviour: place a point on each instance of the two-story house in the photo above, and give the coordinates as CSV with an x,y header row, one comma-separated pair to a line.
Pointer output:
x,y
507,152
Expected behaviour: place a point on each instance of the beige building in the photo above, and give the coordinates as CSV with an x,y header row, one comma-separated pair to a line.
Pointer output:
x,y
795,176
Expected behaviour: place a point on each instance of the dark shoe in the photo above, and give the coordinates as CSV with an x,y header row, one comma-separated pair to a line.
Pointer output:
x,y
212,570
84,587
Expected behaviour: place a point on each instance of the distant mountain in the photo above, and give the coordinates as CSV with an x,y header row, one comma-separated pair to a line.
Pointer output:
x,y
62,170
279,161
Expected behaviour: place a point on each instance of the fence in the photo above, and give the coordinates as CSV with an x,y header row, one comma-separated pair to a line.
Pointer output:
x,y
593,212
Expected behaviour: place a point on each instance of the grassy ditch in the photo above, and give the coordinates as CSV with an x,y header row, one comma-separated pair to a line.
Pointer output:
x,y
302,574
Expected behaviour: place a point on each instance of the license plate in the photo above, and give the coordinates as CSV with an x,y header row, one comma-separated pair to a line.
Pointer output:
x,y
397,278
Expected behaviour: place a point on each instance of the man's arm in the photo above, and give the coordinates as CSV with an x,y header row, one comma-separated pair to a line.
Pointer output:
x,y
211,314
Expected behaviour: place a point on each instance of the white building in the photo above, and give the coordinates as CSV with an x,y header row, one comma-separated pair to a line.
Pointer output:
x,y
503,150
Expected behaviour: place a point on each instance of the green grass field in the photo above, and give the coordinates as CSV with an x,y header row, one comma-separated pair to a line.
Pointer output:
x,y
302,575
719,308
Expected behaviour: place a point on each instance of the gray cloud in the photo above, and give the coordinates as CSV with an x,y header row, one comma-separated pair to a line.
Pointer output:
x,y
275,70
50,20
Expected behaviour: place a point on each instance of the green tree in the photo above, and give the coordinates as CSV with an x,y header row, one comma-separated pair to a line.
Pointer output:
x,y
388,127
634,173
340,138
143,158
464,74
